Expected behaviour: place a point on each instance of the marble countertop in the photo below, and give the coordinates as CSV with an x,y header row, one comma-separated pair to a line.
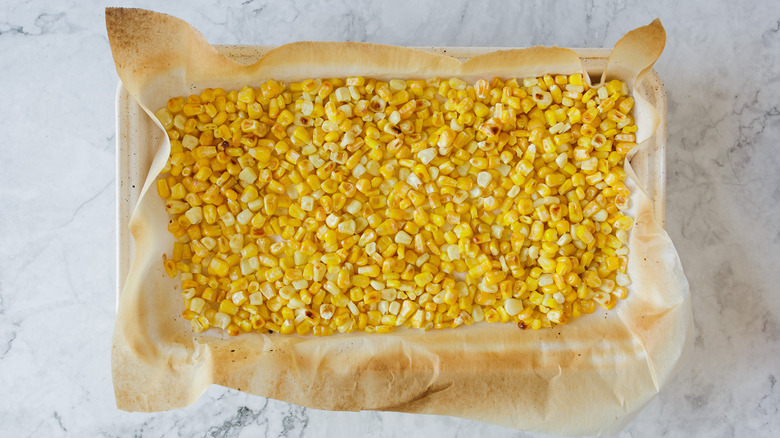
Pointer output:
x,y
721,68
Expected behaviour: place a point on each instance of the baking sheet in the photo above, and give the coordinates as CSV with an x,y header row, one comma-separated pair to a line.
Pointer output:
x,y
586,377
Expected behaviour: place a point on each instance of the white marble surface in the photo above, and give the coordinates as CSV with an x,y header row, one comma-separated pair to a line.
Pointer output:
x,y
721,68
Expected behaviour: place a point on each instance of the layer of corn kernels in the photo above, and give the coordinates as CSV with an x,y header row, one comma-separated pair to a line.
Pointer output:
x,y
336,205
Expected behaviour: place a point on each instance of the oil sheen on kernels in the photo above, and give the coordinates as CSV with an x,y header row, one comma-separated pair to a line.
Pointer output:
x,y
335,205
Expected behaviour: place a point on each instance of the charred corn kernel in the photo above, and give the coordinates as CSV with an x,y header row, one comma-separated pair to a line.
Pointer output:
x,y
517,184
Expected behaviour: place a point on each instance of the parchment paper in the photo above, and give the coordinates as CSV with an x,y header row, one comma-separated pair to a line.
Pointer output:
x,y
589,376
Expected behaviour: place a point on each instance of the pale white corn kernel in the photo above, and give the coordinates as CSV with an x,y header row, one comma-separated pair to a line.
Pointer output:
x,y
512,306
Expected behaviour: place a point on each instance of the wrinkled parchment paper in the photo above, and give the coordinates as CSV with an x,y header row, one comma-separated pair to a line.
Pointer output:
x,y
589,376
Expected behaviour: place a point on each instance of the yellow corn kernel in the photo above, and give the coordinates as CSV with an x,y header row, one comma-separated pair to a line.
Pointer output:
x,y
494,277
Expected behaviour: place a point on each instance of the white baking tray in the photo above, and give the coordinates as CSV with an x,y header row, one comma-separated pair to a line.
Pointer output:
x,y
134,128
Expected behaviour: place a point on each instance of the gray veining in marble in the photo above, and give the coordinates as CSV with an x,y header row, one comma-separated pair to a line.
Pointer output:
x,y
57,204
